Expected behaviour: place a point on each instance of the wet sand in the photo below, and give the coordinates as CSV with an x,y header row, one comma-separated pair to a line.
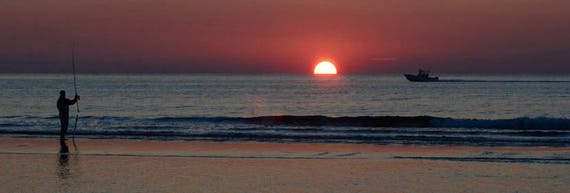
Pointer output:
x,y
34,165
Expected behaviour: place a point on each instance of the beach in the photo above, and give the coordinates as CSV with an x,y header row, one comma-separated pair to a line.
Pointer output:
x,y
105,165
285,96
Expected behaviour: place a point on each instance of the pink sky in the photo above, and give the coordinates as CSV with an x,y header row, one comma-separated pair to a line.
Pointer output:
x,y
286,36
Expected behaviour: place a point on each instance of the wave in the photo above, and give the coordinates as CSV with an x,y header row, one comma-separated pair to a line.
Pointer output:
x,y
521,123
423,130
305,138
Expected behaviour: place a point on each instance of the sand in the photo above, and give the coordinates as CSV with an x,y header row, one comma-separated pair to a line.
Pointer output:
x,y
34,165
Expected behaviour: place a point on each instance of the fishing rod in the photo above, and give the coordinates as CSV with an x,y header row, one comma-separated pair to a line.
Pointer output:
x,y
75,87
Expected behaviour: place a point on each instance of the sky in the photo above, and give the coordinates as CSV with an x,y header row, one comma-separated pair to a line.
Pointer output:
x,y
285,36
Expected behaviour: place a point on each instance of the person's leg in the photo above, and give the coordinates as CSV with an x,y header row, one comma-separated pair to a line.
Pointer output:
x,y
64,124
61,128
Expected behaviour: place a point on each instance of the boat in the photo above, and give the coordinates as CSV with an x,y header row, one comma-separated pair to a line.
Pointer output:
x,y
422,76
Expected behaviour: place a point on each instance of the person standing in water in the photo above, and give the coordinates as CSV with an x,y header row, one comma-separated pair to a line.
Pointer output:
x,y
63,107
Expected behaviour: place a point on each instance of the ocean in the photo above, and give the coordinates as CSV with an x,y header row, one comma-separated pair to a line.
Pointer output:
x,y
470,110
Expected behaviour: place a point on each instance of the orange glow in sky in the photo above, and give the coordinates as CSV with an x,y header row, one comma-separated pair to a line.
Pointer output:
x,y
325,67
284,36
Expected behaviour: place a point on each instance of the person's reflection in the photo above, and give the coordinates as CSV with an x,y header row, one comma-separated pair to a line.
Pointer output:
x,y
63,162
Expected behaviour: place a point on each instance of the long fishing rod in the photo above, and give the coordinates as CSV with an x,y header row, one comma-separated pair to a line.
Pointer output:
x,y
75,87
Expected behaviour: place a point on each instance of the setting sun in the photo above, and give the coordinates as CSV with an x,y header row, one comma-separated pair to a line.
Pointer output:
x,y
325,67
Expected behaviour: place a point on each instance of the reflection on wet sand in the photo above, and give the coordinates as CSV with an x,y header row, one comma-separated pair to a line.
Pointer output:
x,y
63,161
183,166
67,166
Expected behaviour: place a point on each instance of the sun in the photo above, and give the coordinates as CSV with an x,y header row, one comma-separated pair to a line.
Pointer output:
x,y
325,67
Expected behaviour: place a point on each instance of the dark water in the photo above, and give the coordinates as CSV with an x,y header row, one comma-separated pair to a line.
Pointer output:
x,y
479,110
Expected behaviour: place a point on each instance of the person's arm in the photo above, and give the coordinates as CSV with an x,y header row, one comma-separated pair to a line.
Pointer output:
x,y
71,102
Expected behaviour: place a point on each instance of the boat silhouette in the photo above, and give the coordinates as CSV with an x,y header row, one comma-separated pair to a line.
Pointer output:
x,y
422,76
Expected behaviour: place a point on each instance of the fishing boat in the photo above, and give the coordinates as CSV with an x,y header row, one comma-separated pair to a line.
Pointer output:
x,y
422,76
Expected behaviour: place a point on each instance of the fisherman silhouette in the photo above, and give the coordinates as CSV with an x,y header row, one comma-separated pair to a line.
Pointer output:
x,y
63,107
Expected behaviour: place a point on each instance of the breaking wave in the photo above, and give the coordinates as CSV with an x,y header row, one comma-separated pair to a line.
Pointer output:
x,y
523,123
422,130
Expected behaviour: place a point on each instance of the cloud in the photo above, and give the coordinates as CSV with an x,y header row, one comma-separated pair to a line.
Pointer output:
x,y
384,59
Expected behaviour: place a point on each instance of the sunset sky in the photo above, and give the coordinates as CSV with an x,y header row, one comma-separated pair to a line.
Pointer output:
x,y
286,36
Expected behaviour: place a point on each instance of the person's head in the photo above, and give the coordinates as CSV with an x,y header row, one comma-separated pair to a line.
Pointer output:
x,y
61,93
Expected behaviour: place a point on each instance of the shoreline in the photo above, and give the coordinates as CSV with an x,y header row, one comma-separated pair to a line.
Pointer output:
x,y
109,165
280,150
47,145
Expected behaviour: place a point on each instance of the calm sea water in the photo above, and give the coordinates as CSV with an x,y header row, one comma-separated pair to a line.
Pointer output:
x,y
380,109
